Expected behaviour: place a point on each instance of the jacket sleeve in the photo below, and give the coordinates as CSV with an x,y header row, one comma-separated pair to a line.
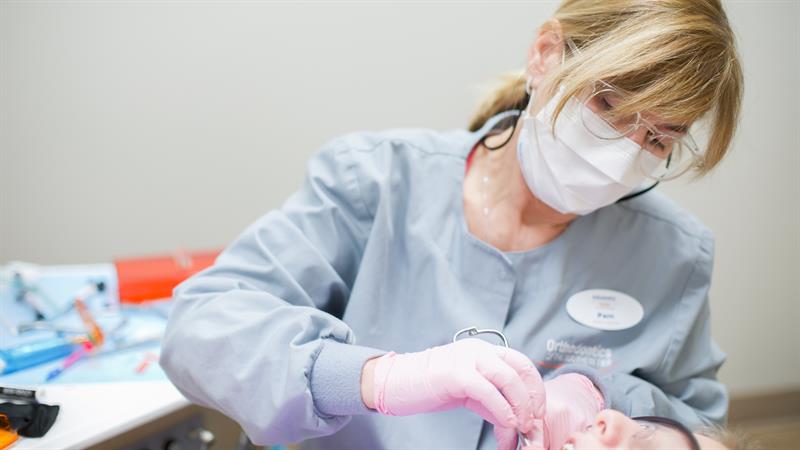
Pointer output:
x,y
684,386
252,335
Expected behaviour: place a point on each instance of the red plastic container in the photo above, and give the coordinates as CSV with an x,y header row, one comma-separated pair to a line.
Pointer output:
x,y
152,278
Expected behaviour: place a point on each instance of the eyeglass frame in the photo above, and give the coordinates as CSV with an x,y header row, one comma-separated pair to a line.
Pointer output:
x,y
685,140
673,424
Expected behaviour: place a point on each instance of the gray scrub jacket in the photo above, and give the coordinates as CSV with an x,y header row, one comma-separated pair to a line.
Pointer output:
x,y
373,254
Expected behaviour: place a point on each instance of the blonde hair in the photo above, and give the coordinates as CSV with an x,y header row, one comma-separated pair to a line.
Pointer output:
x,y
732,440
673,57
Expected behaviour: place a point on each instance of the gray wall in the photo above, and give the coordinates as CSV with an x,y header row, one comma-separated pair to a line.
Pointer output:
x,y
138,127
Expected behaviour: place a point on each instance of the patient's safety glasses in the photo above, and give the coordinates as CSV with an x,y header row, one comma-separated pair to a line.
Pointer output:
x,y
658,432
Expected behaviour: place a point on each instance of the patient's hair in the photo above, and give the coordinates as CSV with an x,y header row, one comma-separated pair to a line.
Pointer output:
x,y
731,439
676,58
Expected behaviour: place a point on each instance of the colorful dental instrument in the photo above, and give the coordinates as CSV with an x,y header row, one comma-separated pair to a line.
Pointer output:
x,y
95,332
80,352
35,353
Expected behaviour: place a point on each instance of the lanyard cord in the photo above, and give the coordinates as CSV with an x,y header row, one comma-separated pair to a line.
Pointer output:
x,y
636,194
644,191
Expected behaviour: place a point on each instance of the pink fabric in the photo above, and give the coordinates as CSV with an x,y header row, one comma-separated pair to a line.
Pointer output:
x,y
498,383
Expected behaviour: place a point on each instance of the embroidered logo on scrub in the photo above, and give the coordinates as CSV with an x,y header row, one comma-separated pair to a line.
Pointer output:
x,y
604,309
564,352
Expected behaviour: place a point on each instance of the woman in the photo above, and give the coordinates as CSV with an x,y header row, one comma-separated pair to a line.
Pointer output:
x,y
313,324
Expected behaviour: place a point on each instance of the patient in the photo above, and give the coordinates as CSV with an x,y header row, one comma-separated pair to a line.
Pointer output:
x,y
613,430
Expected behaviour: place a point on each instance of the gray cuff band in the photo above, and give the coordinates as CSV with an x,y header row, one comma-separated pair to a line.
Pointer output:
x,y
336,378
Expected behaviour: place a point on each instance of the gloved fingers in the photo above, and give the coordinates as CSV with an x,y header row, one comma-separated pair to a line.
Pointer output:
x,y
479,409
530,377
497,409
533,447
534,442
538,433
515,359
506,438
510,384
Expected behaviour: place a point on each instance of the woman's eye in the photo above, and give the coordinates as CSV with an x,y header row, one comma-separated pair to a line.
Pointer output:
x,y
605,104
658,144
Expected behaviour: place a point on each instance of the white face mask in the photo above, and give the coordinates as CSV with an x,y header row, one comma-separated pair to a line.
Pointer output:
x,y
573,171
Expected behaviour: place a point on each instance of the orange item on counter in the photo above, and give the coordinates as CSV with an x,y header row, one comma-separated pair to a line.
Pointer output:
x,y
96,336
7,438
7,435
152,278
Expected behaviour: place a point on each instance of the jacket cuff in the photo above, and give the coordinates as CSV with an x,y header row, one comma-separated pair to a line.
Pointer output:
x,y
593,376
336,378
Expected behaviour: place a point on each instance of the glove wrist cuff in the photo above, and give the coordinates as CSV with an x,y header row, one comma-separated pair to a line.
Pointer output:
x,y
383,367
592,391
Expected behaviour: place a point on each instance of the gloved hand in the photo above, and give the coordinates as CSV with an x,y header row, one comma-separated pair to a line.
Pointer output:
x,y
573,401
572,404
498,383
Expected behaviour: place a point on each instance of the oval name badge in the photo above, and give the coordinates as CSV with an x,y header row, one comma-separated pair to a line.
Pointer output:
x,y
604,309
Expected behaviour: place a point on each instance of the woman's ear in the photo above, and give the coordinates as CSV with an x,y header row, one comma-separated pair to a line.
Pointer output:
x,y
545,53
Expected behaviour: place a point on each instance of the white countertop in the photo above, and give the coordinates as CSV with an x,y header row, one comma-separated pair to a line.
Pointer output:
x,y
94,412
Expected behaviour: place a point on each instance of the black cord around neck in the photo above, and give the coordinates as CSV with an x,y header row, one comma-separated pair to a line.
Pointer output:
x,y
499,128
644,191
636,194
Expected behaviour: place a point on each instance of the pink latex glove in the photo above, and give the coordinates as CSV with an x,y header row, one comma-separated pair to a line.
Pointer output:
x,y
572,404
500,384
573,401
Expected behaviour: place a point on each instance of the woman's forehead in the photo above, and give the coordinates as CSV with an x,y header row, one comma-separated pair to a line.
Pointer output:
x,y
669,437
706,443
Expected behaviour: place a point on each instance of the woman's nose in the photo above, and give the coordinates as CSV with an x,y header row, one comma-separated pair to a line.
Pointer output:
x,y
612,428
639,136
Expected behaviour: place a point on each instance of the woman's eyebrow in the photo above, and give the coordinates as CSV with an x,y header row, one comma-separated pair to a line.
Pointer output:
x,y
682,129
678,128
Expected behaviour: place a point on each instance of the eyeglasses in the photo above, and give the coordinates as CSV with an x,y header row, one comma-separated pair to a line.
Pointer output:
x,y
676,148
650,425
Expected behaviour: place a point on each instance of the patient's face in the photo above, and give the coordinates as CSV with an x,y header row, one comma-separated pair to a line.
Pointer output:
x,y
613,430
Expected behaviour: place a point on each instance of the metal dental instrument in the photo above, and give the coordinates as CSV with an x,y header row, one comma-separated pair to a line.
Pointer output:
x,y
474,331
